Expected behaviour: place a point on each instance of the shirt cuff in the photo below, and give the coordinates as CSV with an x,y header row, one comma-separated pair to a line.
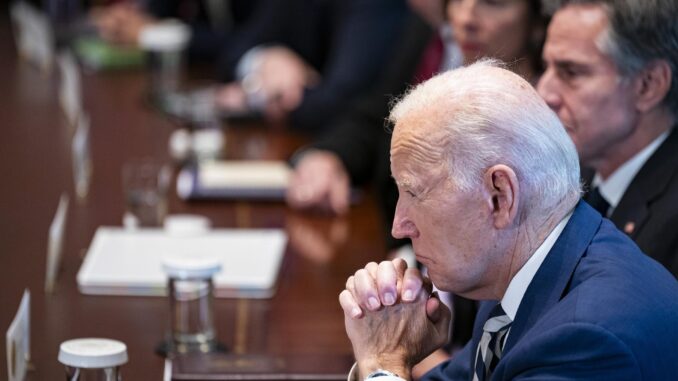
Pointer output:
x,y
248,62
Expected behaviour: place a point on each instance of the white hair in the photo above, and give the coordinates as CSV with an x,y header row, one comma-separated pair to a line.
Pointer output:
x,y
491,116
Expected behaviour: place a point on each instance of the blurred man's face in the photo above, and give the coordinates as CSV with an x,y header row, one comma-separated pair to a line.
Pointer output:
x,y
583,86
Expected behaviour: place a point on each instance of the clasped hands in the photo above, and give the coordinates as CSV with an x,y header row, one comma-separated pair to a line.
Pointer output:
x,y
391,317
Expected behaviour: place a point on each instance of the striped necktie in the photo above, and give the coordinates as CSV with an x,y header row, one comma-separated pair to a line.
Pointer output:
x,y
491,344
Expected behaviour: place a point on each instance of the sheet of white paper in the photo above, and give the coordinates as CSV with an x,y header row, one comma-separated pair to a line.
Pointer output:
x,y
18,340
70,93
123,262
55,243
82,163
244,174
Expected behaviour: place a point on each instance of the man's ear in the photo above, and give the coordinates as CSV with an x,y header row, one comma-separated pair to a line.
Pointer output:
x,y
501,185
652,84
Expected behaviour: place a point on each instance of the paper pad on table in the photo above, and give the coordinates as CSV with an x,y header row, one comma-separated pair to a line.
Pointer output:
x,y
124,262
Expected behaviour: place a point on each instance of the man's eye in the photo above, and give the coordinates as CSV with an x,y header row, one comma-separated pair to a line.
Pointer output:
x,y
410,193
567,73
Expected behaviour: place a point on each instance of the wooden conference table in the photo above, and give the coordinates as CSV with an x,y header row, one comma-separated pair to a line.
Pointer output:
x,y
303,318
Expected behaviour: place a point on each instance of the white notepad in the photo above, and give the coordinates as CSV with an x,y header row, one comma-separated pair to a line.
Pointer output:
x,y
124,262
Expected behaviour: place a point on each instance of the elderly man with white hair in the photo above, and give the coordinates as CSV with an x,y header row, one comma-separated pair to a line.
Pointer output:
x,y
489,194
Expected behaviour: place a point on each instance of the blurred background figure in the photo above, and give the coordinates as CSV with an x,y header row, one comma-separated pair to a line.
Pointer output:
x,y
303,60
510,30
214,24
355,149
300,61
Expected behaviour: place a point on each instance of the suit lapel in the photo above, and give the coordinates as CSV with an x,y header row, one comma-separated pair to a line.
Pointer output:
x,y
553,276
550,281
650,183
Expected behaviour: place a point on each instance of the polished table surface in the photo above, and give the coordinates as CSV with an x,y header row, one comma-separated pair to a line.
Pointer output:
x,y
303,318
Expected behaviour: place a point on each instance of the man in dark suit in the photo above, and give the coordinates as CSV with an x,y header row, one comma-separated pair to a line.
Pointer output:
x,y
611,78
304,60
353,150
214,25
299,60
489,194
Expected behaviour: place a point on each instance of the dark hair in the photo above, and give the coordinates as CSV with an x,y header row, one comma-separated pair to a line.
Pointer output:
x,y
641,31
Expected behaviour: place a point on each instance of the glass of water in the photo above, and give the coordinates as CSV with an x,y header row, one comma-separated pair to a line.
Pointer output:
x,y
190,292
146,183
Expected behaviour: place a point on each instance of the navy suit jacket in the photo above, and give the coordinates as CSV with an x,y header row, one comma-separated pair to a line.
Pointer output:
x,y
597,309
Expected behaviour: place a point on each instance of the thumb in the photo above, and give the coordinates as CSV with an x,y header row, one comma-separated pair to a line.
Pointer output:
x,y
437,312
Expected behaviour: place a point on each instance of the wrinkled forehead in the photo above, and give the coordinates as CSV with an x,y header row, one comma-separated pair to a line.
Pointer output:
x,y
419,140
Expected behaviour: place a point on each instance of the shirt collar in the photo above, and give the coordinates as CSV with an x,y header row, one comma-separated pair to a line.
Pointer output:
x,y
614,187
518,285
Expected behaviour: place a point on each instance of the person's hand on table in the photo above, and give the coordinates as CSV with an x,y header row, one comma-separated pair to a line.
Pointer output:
x,y
121,23
319,181
274,81
282,77
391,318
231,97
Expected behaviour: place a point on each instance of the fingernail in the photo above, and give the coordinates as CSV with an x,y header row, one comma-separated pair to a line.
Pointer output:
x,y
408,295
373,303
389,299
355,312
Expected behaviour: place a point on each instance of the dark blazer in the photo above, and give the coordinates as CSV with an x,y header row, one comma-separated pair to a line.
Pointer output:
x,y
208,39
361,136
347,41
597,309
648,211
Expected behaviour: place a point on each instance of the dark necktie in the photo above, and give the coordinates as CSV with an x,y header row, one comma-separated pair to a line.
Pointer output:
x,y
597,201
491,345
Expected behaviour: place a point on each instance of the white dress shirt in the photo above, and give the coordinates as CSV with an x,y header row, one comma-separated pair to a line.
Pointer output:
x,y
613,188
515,290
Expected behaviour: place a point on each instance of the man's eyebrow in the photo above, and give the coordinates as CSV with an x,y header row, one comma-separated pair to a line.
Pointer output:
x,y
567,64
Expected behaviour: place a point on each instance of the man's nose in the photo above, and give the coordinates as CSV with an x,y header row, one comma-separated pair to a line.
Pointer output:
x,y
546,87
403,226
